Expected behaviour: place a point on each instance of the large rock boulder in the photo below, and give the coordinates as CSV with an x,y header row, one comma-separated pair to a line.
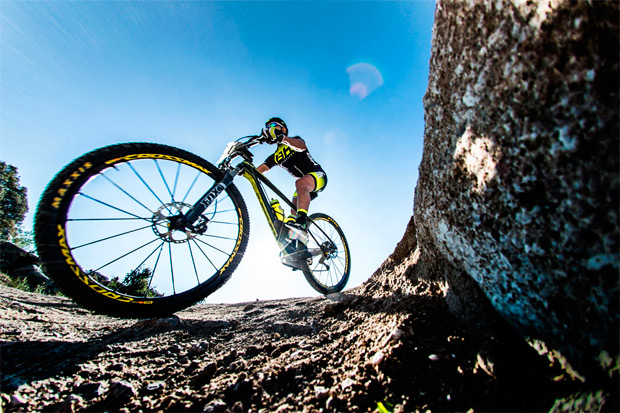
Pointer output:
x,y
18,265
519,182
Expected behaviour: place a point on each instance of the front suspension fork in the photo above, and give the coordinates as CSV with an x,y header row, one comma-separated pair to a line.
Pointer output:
x,y
207,199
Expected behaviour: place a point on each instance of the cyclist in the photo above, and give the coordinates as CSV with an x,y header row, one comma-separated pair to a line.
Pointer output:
x,y
292,155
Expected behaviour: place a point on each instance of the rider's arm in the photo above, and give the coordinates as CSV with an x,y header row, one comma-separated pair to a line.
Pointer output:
x,y
262,168
295,143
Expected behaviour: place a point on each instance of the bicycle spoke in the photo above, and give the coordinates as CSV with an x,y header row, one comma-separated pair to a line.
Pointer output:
x,y
145,184
339,265
124,255
226,210
215,248
219,237
193,262
191,186
107,219
206,256
212,211
164,179
110,206
176,180
135,270
161,248
110,237
174,291
225,223
126,193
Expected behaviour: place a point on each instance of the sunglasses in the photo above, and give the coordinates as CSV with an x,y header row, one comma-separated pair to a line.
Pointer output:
x,y
275,125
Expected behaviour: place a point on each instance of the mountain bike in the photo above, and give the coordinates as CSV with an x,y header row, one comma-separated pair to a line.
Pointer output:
x,y
143,230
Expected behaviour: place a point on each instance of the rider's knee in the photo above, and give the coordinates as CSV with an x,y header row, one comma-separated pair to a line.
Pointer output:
x,y
304,184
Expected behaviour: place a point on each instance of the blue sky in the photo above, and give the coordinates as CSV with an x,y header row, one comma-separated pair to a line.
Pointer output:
x,y
78,75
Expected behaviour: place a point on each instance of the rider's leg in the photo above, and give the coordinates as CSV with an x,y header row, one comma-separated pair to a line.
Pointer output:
x,y
293,215
304,186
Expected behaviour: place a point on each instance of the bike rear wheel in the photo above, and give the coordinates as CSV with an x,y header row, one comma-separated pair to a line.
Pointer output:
x,y
328,268
106,230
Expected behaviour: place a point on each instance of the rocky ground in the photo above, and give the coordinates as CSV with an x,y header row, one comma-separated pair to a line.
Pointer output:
x,y
389,345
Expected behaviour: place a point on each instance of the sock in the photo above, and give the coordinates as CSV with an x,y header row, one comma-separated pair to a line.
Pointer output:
x,y
302,216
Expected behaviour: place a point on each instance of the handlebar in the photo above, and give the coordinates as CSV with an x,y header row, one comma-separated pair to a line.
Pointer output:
x,y
239,148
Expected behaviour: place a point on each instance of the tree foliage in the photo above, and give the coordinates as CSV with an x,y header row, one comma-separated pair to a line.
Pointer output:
x,y
136,283
13,203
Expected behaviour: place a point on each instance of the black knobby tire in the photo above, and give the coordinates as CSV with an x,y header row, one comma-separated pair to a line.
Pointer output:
x,y
329,271
105,233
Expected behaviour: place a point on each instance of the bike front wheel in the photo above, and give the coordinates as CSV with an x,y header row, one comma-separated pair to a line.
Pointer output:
x,y
107,230
329,264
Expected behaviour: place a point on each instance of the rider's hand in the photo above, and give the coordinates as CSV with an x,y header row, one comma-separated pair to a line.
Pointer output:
x,y
272,135
264,135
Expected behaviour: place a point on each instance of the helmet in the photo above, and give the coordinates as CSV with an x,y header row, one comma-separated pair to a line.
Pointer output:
x,y
276,120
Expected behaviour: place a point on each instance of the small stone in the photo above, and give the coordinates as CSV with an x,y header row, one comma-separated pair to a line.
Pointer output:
x,y
330,309
331,403
321,393
348,382
75,403
90,390
215,406
205,375
396,334
117,367
192,366
120,393
158,323
121,390
154,386
198,349
377,358
252,351
18,400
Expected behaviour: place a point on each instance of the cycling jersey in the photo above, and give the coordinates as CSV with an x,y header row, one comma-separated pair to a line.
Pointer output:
x,y
297,162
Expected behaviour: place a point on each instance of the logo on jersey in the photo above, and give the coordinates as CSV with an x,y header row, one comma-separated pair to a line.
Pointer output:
x,y
282,154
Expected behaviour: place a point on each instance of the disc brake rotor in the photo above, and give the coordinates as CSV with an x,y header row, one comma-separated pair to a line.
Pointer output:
x,y
167,223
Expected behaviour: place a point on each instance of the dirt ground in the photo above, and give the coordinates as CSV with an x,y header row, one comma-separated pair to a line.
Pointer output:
x,y
390,345
368,349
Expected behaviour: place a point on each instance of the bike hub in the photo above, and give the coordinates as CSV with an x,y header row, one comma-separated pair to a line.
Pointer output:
x,y
169,223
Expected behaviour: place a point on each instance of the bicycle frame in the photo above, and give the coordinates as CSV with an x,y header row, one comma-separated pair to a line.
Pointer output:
x,y
248,171
256,178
